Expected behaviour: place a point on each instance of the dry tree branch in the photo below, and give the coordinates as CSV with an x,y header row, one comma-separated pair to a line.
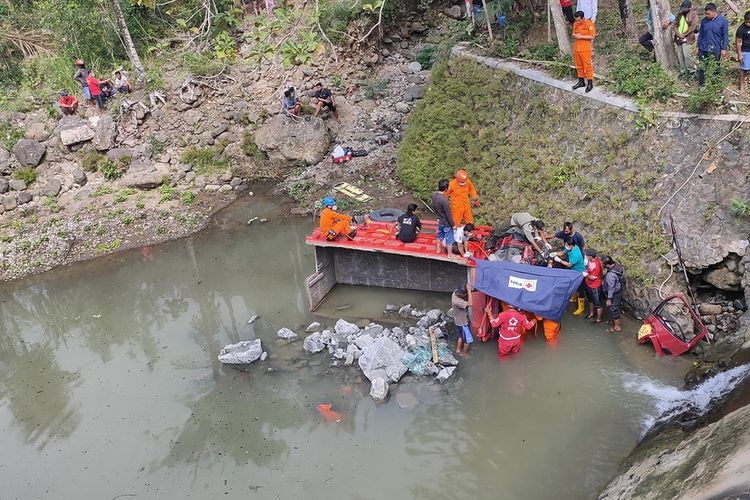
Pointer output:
x,y
377,25
29,43
323,33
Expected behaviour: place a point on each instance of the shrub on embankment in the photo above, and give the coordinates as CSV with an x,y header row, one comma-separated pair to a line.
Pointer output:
x,y
530,148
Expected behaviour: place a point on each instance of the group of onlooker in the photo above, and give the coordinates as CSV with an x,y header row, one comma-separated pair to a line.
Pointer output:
x,y
711,34
94,91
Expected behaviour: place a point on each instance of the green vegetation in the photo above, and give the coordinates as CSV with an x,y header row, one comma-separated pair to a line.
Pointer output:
x,y
202,64
101,191
26,174
122,194
187,197
167,192
711,94
647,83
109,246
109,169
508,134
426,56
739,207
50,203
205,160
375,89
250,148
9,135
299,189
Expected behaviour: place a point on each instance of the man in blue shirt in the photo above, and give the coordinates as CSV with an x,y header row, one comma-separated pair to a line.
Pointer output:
x,y
713,39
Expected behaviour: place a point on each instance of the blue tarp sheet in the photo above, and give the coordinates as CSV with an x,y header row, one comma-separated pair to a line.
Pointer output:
x,y
543,291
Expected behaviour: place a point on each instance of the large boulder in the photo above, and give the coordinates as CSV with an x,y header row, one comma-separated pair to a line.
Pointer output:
x,y
294,141
286,334
345,328
75,131
105,134
382,358
241,353
118,154
142,180
29,152
53,187
37,132
313,343
723,279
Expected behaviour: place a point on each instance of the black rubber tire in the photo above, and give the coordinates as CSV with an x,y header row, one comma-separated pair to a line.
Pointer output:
x,y
386,214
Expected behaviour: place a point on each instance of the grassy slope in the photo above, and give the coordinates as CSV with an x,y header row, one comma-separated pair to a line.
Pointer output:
x,y
528,151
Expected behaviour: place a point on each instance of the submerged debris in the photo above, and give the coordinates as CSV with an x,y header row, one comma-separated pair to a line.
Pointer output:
x,y
385,355
241,353
286,334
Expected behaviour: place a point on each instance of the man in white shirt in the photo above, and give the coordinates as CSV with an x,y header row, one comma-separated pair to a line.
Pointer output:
x,y
589,8
121,83
461,235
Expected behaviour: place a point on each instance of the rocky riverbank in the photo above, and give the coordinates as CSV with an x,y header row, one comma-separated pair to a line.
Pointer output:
x,y
155,165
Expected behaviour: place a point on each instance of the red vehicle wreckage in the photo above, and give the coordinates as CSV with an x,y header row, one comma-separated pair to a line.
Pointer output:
x,y
376,258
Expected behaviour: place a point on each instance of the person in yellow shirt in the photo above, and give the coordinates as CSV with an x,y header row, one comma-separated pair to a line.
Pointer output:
x,y
584,33
332,223
460,189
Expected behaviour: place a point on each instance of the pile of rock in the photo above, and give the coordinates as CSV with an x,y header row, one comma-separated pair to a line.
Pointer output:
x,y
722,316
383,354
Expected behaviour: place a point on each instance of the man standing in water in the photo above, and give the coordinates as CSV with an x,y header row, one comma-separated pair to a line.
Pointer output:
x,y
442,209
461,302
512,324
613,290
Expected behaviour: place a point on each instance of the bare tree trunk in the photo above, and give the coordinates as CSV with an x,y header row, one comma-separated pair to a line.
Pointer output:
x,y
628,20
487,18
663,47
127,42
561,27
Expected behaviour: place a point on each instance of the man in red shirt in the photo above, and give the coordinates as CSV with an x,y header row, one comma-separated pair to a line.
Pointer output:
x,y
96,89
512,324
567,8
593,285
68,103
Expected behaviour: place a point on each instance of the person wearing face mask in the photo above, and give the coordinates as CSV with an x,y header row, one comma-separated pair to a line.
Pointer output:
x,y
332,223
460,190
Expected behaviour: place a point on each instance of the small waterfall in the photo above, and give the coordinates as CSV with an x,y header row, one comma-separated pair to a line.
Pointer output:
x,y
671,402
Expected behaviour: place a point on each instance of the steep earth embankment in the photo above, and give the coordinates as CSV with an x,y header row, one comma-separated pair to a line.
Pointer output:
x,y
565,156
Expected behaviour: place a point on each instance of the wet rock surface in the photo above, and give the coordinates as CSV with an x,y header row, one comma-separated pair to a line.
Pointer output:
x,y
241,353
385,355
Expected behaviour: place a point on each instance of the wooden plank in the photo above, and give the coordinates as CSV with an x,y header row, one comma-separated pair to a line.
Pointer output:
x,y
433,341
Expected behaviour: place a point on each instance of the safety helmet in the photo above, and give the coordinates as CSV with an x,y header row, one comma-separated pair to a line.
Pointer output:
x,y
79,62
462,176
329,201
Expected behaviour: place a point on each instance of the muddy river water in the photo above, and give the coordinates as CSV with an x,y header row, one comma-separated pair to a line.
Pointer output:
x,y
110,387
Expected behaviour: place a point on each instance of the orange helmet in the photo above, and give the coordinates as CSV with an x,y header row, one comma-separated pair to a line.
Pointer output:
x,y
79,62
462,176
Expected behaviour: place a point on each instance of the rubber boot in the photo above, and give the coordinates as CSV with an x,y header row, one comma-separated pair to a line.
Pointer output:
x,y
352,234
581,83
581,306
573,298
590,86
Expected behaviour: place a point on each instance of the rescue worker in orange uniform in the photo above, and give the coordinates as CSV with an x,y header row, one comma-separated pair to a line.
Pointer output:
x,y
513,324
460,189
584,33
551,328
333,223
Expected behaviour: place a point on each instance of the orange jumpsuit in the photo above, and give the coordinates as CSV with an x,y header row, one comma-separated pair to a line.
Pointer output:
x,y
460,206
582,49
551,328
333,220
